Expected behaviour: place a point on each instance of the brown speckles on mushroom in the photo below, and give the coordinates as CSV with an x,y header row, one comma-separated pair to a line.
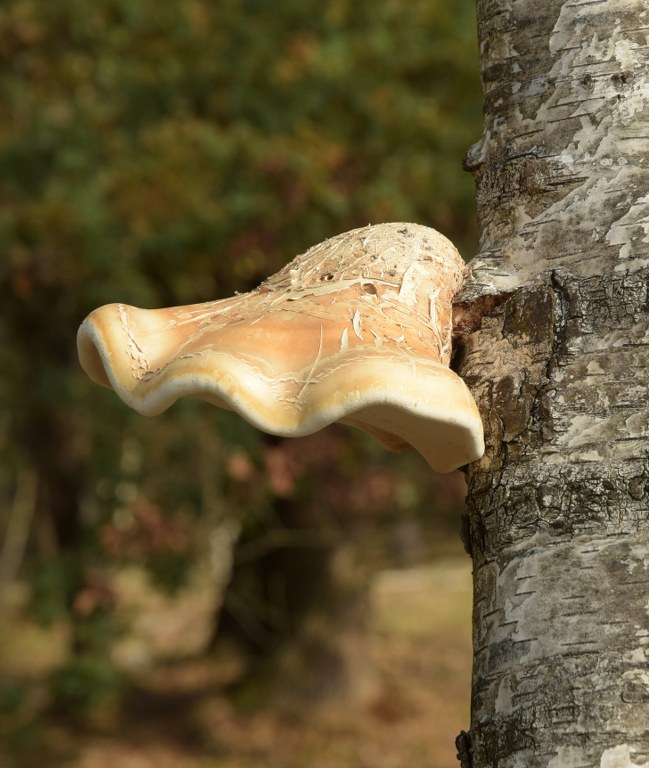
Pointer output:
x,y
357,329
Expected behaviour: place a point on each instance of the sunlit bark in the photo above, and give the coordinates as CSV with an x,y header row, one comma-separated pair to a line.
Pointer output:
x,y
559,364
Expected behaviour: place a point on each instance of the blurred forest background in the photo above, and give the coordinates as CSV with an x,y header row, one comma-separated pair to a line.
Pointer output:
x,y
184,591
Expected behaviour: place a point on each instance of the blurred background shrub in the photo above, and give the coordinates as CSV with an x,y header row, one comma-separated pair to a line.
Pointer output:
x,y
168,153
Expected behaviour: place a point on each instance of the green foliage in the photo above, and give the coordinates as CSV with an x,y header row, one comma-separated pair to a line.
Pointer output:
x,y
83,683
18,730
163,153
51,582
145,140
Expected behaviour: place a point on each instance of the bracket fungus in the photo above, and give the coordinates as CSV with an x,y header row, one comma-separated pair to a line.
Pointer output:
x,y
356,330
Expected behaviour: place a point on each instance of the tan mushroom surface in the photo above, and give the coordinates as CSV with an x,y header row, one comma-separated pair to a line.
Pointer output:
x,y
357,330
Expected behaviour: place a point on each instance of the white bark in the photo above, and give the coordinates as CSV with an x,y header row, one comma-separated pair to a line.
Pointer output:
x,y
559,364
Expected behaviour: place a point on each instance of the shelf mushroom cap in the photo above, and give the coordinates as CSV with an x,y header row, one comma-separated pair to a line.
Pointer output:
x,y
356,330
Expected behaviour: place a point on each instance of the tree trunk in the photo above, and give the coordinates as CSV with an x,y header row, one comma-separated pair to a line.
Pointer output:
x,y
559,363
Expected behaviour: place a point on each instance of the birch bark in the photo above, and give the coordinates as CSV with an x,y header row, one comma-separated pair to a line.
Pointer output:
x,y
559,364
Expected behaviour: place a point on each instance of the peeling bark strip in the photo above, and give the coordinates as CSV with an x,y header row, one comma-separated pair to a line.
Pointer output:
x,y
559,365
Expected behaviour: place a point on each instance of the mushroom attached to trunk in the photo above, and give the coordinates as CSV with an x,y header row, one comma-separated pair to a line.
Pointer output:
x,y
355,330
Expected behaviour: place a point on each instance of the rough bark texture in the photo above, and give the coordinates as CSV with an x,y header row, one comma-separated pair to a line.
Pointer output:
x,y
559,505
